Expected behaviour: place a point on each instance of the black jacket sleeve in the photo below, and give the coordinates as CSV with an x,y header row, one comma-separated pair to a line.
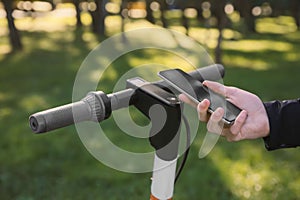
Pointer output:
x,y
284,120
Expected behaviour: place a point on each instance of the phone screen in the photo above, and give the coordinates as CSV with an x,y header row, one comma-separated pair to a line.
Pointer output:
x,y
194,89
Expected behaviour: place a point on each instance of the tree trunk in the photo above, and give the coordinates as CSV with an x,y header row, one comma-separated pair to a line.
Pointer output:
x,y
185,23
78,18
218,50
295,10
163,9
222,20
14,36
245,8
98,17
149,16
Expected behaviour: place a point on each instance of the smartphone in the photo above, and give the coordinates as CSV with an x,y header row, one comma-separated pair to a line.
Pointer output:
x,y
196,91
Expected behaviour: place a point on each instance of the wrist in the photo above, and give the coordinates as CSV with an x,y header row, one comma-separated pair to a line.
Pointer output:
x,y
266,128
265,124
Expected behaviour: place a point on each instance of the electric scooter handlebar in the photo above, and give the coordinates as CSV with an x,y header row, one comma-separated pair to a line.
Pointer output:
x,y
94,107
97,106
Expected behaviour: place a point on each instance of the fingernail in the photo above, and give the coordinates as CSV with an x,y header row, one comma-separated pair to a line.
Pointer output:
x,y
244,114
206,102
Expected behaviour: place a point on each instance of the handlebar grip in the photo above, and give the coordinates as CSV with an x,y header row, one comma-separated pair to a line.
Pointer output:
x,y
57,117
94,107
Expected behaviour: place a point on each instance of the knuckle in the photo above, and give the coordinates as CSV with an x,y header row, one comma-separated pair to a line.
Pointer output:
x,y
233,130
214,127
231,90
239,120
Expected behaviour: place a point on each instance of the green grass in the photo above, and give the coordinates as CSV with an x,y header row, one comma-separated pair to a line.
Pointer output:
x,y
57,166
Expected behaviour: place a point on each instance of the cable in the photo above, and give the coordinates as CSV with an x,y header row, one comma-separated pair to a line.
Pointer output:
x,y
188,141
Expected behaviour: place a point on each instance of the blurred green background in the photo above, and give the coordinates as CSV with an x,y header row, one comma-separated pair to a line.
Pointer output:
x,y
40,75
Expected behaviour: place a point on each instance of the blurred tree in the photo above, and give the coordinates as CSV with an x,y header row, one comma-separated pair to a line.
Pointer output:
x,y
295,11
98,16
245,9
149,15
123,15
14,35
279,7
163,6
217,8
78,11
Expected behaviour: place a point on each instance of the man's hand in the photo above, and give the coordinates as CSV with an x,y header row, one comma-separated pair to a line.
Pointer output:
x,y
251,123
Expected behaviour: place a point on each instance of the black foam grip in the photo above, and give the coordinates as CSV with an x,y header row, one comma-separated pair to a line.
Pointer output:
x,y
59,117
94,107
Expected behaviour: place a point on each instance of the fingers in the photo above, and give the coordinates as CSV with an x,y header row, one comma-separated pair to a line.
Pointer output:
x,y
232,138
220,89
214,121
216,87
202,107
238,123
187,100
215,124
202,110
232,134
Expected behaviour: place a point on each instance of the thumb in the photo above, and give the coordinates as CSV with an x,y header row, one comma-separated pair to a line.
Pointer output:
x,y
216,87
219,88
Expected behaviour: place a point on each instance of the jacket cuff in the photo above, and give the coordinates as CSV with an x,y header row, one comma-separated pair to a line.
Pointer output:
x,y
272,141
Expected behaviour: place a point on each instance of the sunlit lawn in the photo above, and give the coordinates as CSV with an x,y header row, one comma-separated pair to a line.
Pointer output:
x,y
57,166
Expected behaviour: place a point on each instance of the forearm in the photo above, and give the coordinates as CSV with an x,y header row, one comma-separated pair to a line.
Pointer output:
x,y
284,121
